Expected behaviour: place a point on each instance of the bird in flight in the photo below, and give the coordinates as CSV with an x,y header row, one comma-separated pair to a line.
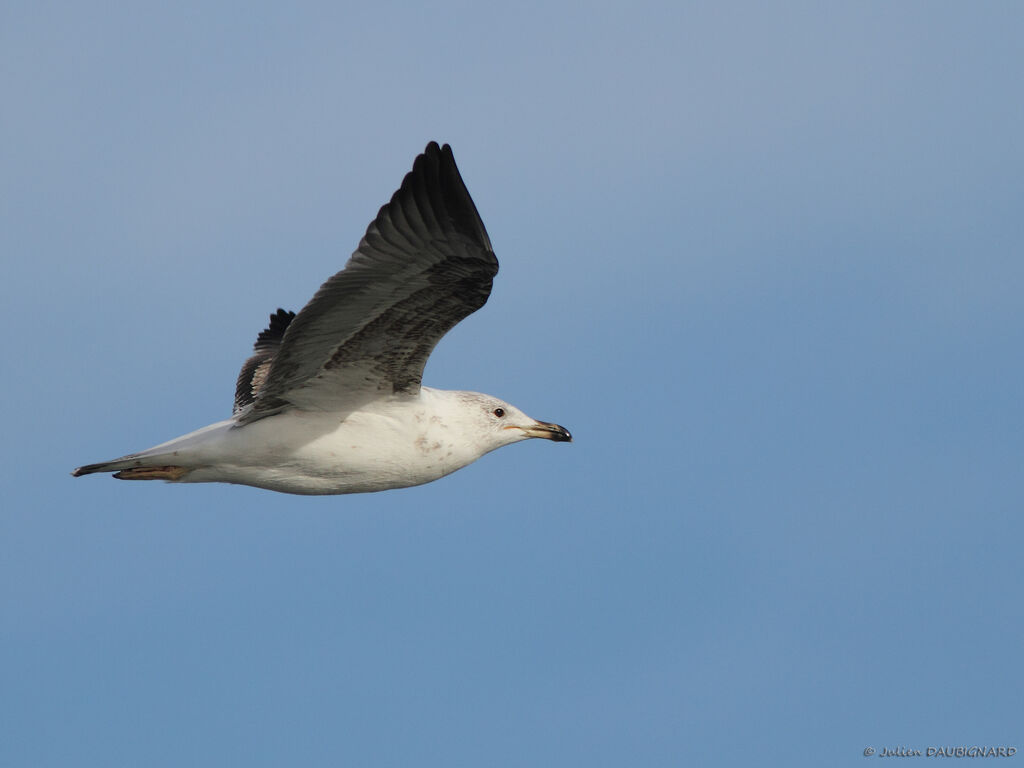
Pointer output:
x,y
330,400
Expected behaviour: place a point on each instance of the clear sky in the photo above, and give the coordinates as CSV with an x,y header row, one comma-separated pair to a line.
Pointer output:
x,y
765,262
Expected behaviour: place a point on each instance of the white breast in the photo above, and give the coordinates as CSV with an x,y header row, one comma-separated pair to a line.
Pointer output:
x,y
392,443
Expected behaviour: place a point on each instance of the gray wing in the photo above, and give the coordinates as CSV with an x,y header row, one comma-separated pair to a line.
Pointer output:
x,y
254,371
424,264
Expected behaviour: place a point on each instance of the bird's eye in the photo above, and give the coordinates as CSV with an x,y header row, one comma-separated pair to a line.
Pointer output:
x,y
499,412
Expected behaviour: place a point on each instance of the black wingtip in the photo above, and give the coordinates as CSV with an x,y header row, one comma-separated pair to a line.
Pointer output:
x,y
274,332
442,154
434,149
437,162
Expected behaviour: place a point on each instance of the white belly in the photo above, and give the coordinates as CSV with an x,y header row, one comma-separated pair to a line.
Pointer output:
x,y
317,453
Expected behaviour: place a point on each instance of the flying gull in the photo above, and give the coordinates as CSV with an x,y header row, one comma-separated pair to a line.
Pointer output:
x,y
331,400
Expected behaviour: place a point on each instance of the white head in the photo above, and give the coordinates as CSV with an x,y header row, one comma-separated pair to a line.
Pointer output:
x,y
499,423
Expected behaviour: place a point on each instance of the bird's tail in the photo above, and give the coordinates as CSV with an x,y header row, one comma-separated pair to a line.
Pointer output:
x,y
135,467
168,461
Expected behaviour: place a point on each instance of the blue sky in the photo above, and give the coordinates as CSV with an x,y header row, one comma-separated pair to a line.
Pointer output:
x,y
764,262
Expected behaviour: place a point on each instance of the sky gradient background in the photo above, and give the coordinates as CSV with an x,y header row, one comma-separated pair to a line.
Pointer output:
x,y
765,263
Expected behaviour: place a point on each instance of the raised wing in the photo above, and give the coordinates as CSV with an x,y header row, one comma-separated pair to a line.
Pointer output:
x,y
424,264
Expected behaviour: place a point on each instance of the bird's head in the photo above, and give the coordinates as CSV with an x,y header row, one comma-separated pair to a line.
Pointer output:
x,y
502,423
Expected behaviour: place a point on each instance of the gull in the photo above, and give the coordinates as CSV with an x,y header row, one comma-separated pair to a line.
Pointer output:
x,y
330,401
